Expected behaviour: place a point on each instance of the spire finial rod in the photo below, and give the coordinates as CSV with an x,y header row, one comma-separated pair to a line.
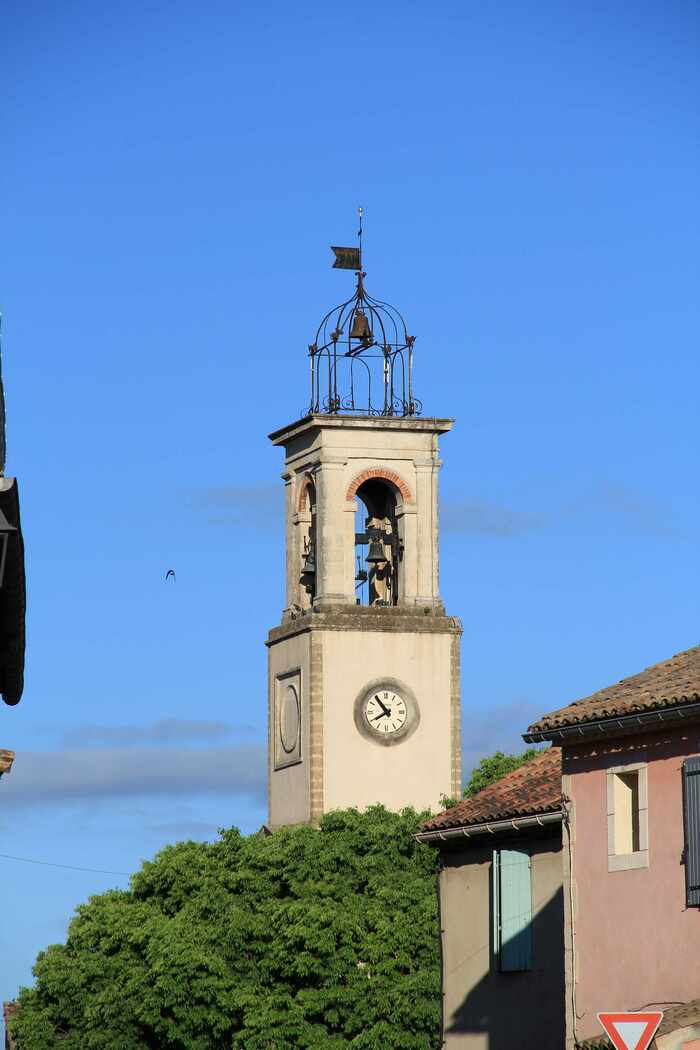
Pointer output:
x,y
359,233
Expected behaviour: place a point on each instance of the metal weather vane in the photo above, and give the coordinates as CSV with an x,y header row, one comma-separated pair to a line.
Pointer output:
x,y
349,258
362,357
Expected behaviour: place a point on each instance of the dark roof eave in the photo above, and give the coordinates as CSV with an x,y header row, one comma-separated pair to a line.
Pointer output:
x,y
490,827
617,724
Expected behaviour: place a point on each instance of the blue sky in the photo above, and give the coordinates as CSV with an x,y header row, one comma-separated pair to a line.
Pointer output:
x,y
172,177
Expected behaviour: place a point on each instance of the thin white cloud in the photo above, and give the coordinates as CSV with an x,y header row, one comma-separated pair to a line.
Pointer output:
x,y
259,508
483,519
604,507
182,829
611,505
55,777
164,731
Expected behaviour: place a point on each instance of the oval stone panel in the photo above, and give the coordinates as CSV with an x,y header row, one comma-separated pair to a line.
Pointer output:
x,y
289,719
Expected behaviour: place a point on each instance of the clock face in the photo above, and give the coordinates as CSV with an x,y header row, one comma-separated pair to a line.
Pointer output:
x,y
385,712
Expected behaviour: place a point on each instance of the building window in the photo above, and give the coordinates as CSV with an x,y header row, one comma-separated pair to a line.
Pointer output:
x,y
628,845
512,910
626,788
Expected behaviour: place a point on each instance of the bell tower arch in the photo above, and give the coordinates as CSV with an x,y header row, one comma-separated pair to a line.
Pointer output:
x,y
364,696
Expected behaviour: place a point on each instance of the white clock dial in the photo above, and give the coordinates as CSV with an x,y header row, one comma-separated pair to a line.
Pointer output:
x,y
385,712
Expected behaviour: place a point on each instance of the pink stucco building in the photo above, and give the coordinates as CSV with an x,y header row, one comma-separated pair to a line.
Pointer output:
x,y
631,845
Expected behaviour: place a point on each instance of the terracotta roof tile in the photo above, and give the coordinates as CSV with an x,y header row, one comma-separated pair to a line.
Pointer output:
x,y
671,683
679,1016
532,789
676,1016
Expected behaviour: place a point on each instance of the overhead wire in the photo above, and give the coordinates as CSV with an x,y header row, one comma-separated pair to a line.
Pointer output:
x,y
68,867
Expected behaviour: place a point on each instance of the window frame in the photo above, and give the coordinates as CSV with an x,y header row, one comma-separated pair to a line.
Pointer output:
x,y
638,858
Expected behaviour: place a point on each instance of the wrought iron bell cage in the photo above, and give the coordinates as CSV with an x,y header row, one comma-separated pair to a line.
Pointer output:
x,y
361,360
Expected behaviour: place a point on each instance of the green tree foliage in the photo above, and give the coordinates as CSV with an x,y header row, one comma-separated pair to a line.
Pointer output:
x,y
494,767
490,769
315,938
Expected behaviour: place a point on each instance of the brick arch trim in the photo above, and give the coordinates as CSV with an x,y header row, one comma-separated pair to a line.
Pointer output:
x,y
384,474
303,501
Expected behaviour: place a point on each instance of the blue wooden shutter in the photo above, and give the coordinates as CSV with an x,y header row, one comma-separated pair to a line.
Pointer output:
x,y
496,907
512,909
691,824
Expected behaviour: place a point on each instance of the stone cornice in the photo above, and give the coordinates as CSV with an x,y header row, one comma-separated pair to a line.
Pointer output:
x,y
322,422
394,619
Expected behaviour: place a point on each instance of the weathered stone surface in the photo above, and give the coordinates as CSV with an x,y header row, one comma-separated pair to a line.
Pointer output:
x,y
337,648
370,618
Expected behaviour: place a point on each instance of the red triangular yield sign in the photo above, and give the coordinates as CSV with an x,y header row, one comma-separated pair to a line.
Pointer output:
x,y
631,1031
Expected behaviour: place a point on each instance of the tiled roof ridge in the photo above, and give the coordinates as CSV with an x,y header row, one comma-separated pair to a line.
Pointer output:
x,y
669,683
529,790
667,662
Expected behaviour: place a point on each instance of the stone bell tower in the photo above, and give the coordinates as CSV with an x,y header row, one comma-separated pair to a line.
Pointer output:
x,y
364,695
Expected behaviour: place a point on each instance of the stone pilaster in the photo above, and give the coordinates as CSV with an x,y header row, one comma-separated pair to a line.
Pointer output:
x,y
456,714
427,538
316,728
333,586
291,538
434,504
407,519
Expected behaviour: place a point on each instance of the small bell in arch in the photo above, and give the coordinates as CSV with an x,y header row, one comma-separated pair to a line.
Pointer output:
x,y
360,327
376,553
309,567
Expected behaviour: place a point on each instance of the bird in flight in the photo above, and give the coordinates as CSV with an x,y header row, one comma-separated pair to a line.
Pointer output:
x,y
169,573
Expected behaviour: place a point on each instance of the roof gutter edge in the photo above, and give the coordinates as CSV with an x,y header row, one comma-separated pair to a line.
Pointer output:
x,y
492,827
601,726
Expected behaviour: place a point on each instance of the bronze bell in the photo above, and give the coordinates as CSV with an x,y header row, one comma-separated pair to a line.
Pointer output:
x,y
360,327
309,567
376,552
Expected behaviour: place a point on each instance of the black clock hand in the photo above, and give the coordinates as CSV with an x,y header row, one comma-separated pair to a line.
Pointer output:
x,y
384,714
385,709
